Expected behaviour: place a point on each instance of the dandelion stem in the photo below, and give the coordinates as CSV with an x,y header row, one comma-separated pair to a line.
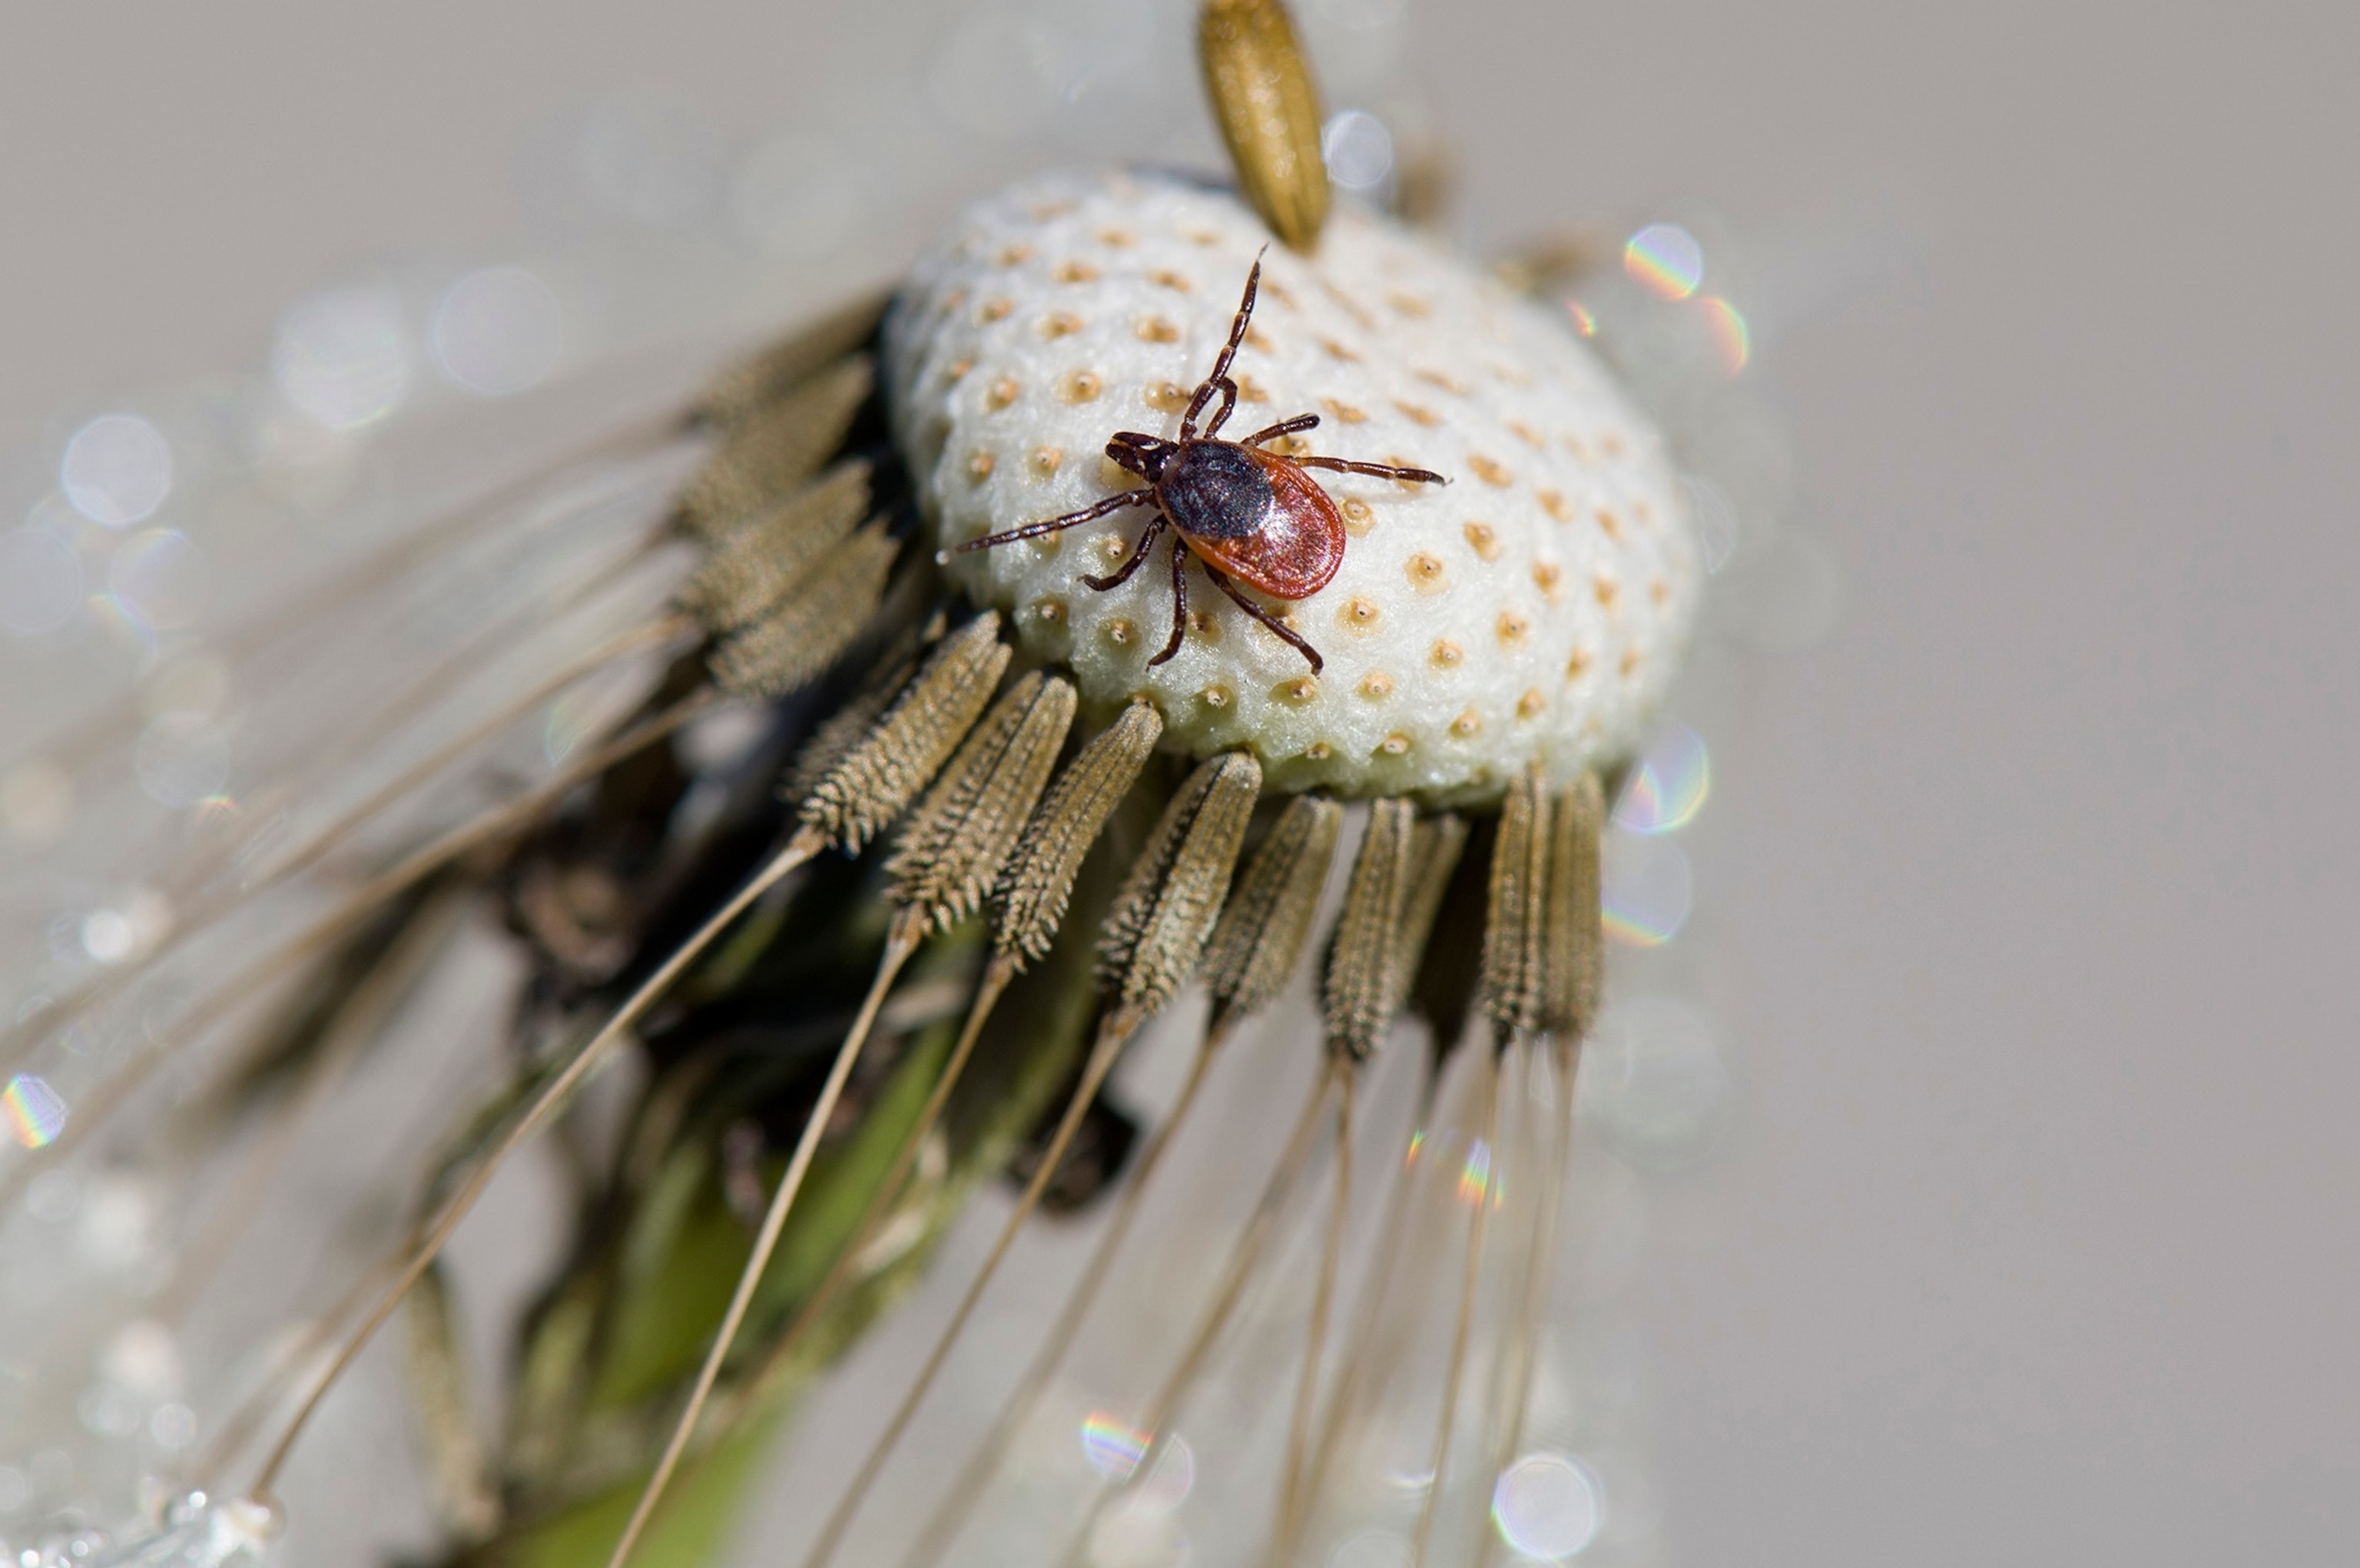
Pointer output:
x,y
908,930
800,848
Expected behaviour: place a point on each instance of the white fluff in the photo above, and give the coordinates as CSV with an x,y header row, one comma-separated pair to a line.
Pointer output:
x,y
1534,609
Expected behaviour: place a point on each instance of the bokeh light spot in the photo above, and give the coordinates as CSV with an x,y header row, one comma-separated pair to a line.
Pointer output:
x,y
496,332
36,1113
1547,1505
161,577
1649,889
1358,151
1665,260
342,356
40,581
116,470
1670,785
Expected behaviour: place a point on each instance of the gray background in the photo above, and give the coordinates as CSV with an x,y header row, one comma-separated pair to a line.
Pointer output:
x,y
2037,1239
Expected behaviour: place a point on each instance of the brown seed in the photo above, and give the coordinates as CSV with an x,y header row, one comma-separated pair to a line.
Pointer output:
x,y
1574,964
748,388
956,840
805,633
1361,988
1267,921
758,565
1038,878
1155,931
1269,114
774,450
869,788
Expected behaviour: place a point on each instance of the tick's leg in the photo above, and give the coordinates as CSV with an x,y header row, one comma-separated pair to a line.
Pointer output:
x,y
1179,602
1229,350
1034,530
1146,542
1284,427
1381,470
1228,390
1221,581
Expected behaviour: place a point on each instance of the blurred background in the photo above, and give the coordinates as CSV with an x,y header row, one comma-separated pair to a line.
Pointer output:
x,y
2032,869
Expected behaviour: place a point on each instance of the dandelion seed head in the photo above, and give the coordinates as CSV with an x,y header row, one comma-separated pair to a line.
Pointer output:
x,y
1410,356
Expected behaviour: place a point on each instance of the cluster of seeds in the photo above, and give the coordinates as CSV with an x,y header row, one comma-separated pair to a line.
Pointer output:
x,y
1531,611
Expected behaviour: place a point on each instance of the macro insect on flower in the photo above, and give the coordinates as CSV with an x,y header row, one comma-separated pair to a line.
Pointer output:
x,y
1240,509
878,860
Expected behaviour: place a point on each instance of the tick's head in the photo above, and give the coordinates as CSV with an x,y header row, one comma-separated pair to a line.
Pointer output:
x,y
1145,456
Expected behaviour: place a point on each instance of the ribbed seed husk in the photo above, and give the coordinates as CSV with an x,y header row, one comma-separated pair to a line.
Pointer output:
x,y
1269,114
768,457
849,724
1515,922
864,792
1267,921
1435,847
961,834
1038,880
760,564
1577,936
1155,931
807,631
744,389
1362,959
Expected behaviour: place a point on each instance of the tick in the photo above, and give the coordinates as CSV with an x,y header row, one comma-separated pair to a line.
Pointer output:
x,y
1243,512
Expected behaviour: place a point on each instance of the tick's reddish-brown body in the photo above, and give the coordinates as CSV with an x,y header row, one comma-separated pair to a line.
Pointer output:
x,y
1242,512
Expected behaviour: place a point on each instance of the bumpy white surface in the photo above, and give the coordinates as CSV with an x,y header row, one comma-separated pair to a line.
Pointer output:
x,y
1532,608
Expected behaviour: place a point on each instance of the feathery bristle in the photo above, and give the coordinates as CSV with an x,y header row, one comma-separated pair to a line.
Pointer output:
x,y
1268,917
1514,923
803,634
1155,931
1435,845
742,390
962,832
766,458
1576,939
760,564
1362,982
1040,876
881,775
